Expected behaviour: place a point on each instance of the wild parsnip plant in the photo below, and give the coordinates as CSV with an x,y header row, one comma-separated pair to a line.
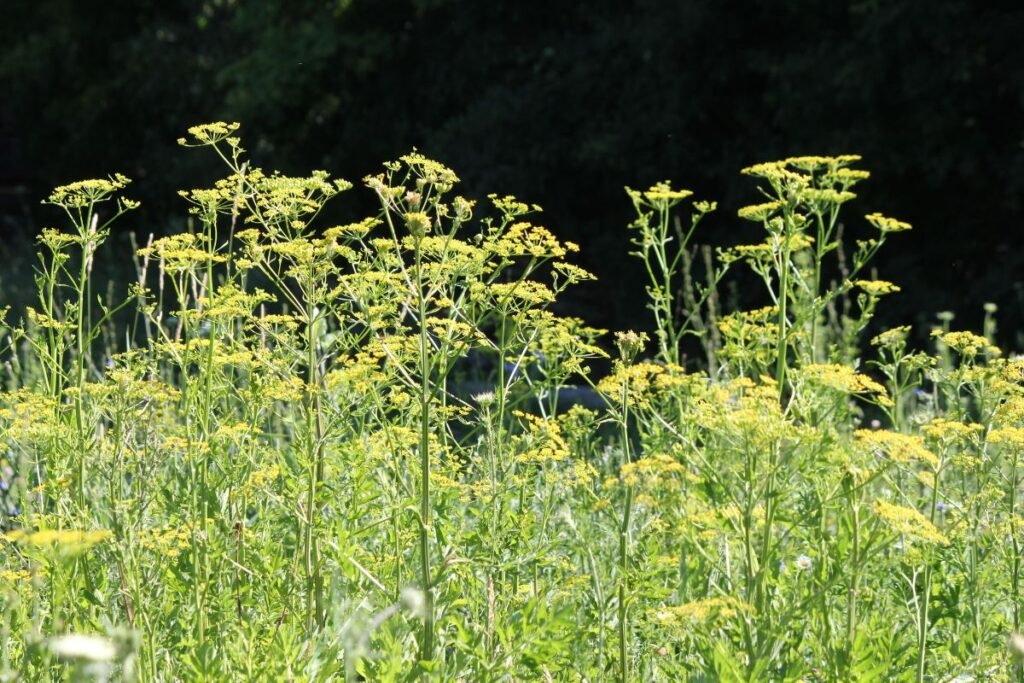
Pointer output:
x,y
297,451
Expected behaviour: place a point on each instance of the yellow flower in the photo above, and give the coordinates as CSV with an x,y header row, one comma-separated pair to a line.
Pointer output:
x,y
652,470
526,239
949,431
840,378
167,541
908,522
14,575
826,196
893,337
418,223
66,540
210,133
1011,437
759,212
886,224
709,611
86,192
664,192
967,344
876,287
900,448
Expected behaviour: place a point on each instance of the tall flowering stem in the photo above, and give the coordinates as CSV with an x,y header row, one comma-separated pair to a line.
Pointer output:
x,y
665,263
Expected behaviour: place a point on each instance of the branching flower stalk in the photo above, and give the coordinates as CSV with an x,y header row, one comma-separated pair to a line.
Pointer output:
x,y
630,345
79,203
426,395
664,262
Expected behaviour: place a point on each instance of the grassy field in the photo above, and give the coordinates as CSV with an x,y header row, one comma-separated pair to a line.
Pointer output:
x,y
262,465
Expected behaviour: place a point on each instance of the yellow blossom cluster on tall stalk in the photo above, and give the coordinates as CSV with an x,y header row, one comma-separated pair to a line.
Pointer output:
x,y
374,450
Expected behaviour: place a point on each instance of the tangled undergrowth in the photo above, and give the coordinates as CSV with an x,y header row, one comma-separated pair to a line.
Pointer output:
x,y
258,465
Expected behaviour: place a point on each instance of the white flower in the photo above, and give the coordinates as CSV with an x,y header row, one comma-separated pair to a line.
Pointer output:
x,y
413,600
484,399
804,562
83,647
1016,646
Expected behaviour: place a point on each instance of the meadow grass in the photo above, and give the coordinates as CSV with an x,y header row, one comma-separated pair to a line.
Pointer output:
x,y
258,465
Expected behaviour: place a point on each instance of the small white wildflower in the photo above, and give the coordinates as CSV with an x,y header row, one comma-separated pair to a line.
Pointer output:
x,y
82,647
804,562
412,600
1016,646
484,399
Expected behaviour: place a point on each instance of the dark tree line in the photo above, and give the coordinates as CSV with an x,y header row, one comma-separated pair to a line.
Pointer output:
x,y
560,103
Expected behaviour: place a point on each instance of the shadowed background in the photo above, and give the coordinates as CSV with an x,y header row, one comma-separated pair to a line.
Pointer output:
x,y
561,103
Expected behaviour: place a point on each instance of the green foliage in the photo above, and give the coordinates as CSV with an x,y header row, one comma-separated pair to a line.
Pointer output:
x,y
261,465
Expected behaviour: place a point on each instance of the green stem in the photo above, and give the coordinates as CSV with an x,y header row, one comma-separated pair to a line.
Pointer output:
x,y
624,548
851,609
314,438
922,622
427,641
780,344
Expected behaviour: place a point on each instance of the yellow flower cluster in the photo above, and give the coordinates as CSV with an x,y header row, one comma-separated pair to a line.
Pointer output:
x,y
760,212
967,344
660,196
543,442
167,541
512,295
456,333
456,255
183,251
908,522
47,322
707,612
1010,437
827,196
775,172
810,163
14,575
510,206
430,171
952,432
573,274
526,239
67,538
876,287
542,454
763,252
210,133
359,374
86,192
840,378
631,382
754,325
351,230
653,470
850,176
417,223
903,449
28,417
56,241
884,224
282,200
261,478
894,337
